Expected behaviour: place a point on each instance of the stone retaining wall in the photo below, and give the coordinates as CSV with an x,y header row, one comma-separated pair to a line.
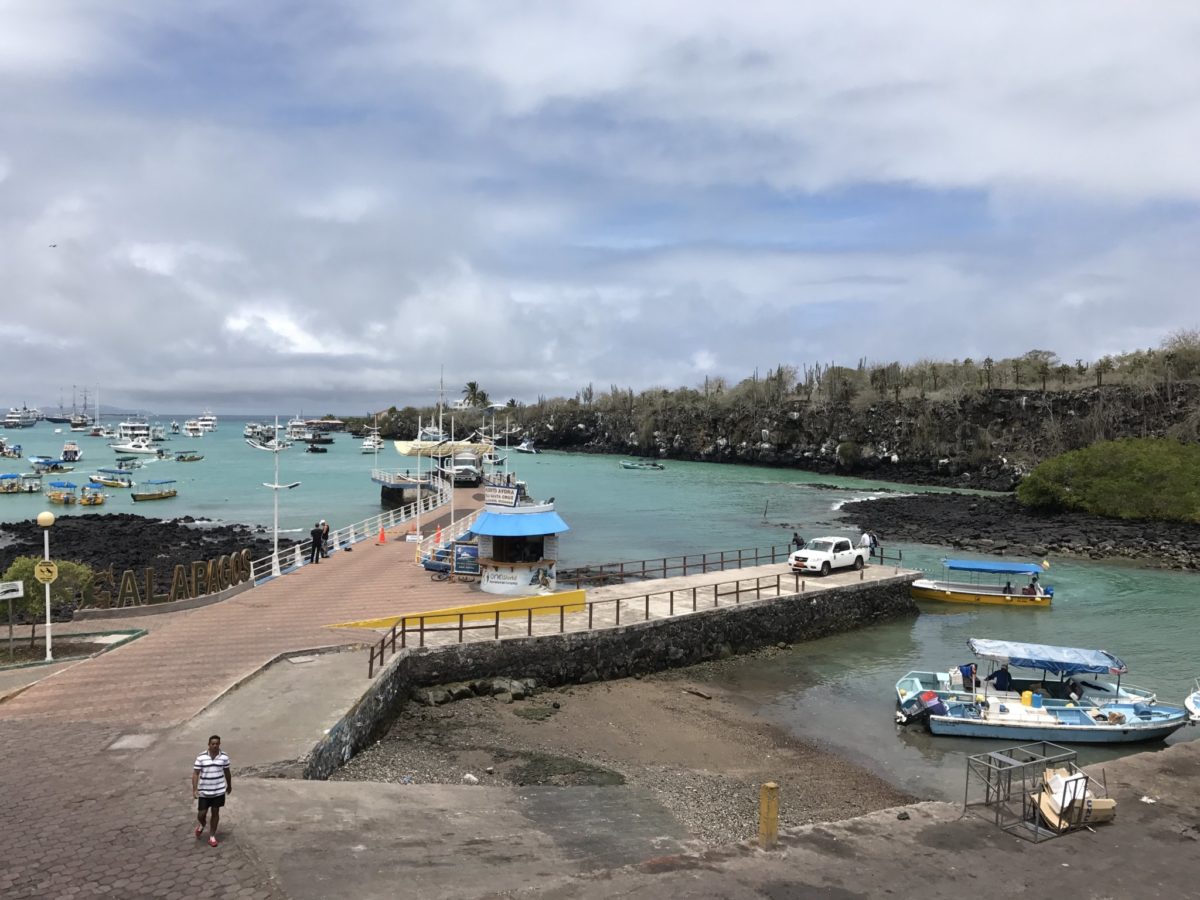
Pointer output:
x,y
640,648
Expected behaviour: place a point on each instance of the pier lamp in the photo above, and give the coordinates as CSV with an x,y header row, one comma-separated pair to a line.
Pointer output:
x,y
45,519
275,446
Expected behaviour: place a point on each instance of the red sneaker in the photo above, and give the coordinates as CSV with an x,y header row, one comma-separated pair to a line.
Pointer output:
x,y
212,842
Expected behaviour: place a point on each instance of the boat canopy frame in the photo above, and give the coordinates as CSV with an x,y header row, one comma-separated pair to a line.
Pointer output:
x,y
1061,661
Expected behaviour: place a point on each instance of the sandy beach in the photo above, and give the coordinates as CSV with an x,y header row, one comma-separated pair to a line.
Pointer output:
x,y
704,758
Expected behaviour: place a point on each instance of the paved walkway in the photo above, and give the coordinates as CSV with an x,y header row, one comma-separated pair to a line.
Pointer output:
x,y
90,822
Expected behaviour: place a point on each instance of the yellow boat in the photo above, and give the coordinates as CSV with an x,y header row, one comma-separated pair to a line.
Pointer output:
x,y
92,496
945,590
62,493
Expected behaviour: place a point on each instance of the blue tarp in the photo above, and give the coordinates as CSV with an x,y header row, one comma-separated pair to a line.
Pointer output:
x,y
1059,660
518,524
999,568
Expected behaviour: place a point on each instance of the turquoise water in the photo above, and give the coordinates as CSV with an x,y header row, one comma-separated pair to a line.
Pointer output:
x,y
840,688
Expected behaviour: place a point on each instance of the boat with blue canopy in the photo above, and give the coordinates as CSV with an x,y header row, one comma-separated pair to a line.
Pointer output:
x,y
1082,706
967,581
61,492
113,478
154,489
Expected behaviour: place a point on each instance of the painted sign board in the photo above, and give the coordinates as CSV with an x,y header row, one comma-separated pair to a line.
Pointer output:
x,y
46,571
10,590
494,495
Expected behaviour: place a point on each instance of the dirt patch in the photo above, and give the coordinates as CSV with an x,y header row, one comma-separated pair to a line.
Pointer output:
x,y
704,759
64,649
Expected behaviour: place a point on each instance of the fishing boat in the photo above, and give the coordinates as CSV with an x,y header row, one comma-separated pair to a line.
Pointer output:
x,y
112,478
315,448
154,489
61,492
188,456
89,495
128,463
71,452
641,464
998,592
10,483
1040,711
526,446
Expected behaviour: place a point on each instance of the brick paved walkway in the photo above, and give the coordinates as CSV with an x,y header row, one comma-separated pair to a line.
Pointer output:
x,y
84,821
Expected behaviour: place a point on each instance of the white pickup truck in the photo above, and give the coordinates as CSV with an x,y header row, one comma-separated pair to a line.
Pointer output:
x,y
825,554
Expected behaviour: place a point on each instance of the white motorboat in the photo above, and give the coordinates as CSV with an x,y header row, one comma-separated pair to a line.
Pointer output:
x,y
71,452
207,421
192,428
1192,703
136,445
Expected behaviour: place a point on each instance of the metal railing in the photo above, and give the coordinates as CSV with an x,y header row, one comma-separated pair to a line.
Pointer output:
x,y
455,529
599,613
668,566
292,558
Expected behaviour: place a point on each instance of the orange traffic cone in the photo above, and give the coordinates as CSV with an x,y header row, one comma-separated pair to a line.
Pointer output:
x,y
437,538
382,536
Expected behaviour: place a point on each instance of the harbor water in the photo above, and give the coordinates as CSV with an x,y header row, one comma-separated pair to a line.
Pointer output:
x,y
838,691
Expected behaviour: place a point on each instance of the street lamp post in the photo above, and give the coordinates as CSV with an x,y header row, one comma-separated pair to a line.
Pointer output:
x,y
275,446
46,519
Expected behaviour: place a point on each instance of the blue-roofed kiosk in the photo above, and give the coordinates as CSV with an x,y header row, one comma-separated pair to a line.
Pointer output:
x,y
518,543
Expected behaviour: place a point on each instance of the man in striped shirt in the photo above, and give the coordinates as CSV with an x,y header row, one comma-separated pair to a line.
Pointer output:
x,y
211,781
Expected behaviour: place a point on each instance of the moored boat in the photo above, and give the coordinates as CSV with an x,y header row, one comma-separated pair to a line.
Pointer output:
x,y
61,492
188,456
642,464
526,446
71,452
136,445
978,591
10,483
1032,710
90,495
154,489
112,478
1192,703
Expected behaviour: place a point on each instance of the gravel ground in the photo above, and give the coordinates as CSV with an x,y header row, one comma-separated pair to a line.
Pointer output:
x,y
704,758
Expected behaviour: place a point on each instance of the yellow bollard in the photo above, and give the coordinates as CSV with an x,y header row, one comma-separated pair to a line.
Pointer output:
x,y
768,815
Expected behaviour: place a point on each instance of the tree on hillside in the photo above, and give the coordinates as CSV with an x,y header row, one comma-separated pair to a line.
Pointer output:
x,y
988,365
1102,367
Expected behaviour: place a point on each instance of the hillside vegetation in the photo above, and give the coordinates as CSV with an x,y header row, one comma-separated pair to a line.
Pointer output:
x,y
1132,478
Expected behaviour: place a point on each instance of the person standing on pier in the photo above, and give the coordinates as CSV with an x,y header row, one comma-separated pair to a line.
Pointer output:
x,y
318,542
324,539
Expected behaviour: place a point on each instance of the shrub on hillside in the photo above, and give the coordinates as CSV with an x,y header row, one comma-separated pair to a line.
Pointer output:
x,y
1132,478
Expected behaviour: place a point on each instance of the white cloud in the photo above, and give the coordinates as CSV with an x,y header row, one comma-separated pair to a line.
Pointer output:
x,y
540,195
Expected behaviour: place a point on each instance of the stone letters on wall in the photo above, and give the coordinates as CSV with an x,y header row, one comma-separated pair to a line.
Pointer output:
x,y
186,583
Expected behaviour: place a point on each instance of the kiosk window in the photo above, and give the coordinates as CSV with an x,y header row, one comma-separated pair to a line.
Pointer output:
x,y
517,549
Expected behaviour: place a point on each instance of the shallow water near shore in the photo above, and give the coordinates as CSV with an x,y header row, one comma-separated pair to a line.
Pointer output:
x,y
838,691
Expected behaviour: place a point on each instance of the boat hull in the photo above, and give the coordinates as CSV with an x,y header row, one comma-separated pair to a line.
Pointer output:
x,y
928,590
950,726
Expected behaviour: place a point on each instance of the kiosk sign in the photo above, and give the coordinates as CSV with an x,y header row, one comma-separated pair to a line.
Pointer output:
x,y
494,495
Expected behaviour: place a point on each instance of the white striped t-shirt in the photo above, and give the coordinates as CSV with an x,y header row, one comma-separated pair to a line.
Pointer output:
x,y
212,773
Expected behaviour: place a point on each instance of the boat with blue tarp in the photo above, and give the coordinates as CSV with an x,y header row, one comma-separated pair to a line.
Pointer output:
x,y
62,493
973,587
1083,706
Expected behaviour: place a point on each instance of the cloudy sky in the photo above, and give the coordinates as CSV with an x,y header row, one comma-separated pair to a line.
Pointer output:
x,y
281,206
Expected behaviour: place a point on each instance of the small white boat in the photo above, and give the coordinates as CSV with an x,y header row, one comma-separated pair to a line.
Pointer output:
x,y
192,429
526,446
1192,703
642,464
71,452
372,443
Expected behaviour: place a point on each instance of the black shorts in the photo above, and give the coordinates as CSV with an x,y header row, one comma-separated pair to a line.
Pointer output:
x,y
215,802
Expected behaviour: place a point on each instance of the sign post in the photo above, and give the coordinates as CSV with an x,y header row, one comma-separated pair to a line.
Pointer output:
x,y
10,590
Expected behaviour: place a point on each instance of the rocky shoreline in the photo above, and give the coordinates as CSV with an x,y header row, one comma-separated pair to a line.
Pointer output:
x,y
1000,526
125,541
